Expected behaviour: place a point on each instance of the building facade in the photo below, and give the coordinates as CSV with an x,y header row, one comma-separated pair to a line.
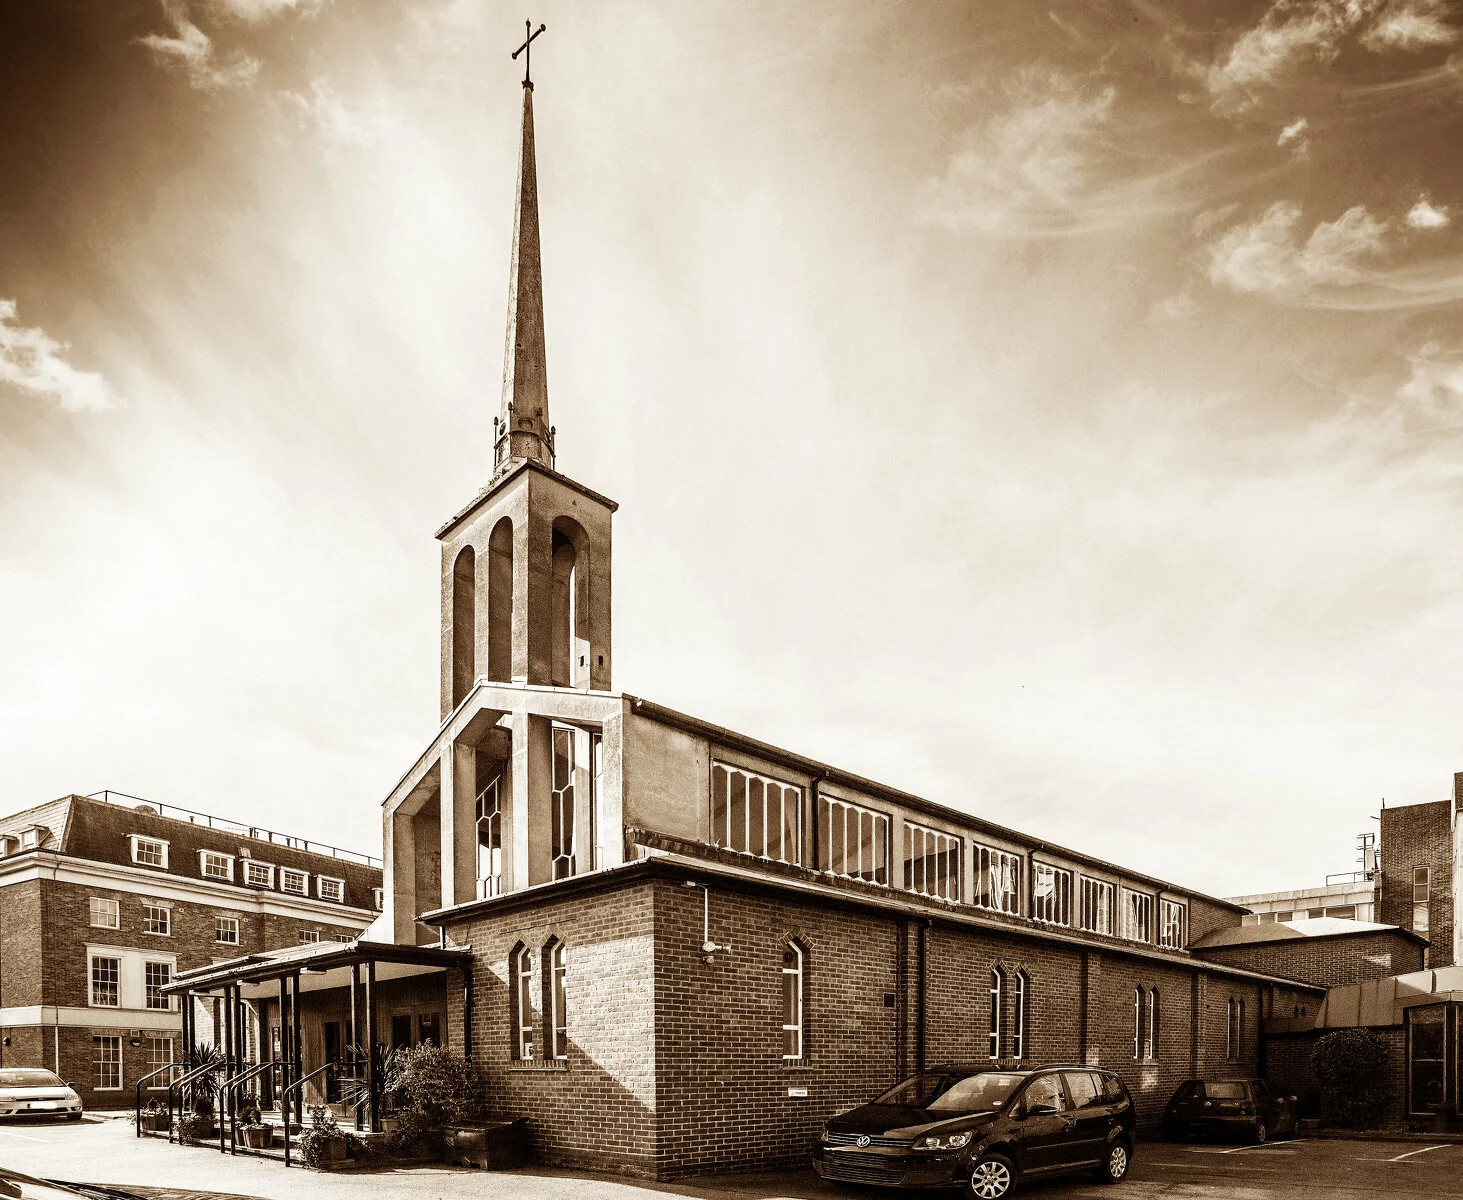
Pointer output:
x,y
103,903
1419,881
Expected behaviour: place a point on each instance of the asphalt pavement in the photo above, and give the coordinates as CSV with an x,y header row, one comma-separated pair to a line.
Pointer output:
x,y
98,1151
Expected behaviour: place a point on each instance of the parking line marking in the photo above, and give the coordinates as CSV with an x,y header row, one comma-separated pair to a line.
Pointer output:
x,y
1410,1153
1267,1145
23,1137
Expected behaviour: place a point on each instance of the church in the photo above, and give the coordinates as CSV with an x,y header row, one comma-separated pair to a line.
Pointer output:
x,y
676,948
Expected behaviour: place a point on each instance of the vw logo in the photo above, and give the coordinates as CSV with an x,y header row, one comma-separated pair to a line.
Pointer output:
x,y
863,1140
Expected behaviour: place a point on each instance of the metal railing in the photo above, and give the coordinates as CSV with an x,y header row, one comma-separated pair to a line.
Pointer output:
x,y
197,1073
126,800
284,1106
137,1113
229,1099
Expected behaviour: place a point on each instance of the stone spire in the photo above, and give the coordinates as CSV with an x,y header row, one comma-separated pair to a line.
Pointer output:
x,y
522,429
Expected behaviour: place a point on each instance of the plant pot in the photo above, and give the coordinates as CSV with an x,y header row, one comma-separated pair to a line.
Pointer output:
x,y
334,1151
256,1137
155,1122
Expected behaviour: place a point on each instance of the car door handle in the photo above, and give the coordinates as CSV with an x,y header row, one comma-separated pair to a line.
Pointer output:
x,y
1071,1123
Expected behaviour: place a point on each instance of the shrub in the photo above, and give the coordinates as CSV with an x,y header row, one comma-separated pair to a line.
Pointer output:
x,y
431,1086
323,1134
1351,1065
196,1127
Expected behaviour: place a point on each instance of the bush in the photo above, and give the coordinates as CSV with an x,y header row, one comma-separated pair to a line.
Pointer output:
x,y
431,1087
318,1141
1352,1065
195,1128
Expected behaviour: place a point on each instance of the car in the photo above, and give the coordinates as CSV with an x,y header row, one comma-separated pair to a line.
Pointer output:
x,y
983,1129
1245,1108
36,1092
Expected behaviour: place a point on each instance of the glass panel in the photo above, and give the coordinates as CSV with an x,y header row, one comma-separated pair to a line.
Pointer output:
x,y
756,817
1081,1087
881,850
719,813
737,835
401,1029
838,843
429,1028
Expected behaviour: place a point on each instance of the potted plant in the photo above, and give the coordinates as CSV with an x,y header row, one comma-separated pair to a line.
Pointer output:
x,y
155,1117
324,1142
197,1126
253,1132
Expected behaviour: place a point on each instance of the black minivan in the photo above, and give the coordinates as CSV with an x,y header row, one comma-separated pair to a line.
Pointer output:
x,y
983,1129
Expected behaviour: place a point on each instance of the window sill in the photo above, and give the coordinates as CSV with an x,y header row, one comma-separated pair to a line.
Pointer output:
x,y
801,1064
539,1066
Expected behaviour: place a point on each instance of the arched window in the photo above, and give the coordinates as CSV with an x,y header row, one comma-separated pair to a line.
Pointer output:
x,y
570,647
794,981
1153,1023
556,997
500,602
1137,1023
998,989
520,971
1234,1031
1020,1014
490,839
464,634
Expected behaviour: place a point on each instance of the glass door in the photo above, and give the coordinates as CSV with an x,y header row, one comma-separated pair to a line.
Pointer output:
x,y
1426,1058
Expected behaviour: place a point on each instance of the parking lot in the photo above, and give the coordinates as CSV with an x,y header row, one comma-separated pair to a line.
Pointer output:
x,y
105,1151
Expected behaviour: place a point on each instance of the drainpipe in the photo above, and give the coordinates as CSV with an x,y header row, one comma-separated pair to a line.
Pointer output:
x,y
919,998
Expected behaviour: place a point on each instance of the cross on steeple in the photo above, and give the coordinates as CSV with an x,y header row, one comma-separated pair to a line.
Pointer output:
x,y
526,48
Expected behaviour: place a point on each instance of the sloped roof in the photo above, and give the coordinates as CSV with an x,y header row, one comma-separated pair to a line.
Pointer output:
x,y
54,815
1304,927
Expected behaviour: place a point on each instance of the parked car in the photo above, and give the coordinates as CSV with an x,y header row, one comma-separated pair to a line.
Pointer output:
x,y
983,1129
1235,1108
35,1092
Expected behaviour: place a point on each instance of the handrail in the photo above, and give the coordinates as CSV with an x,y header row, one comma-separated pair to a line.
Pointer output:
x,y
231,1087
199,1072
137,1114
284,1103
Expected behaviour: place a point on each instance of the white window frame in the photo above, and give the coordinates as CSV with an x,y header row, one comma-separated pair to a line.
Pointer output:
x,y
289,874
203,860
346,938
1154,1016
922,844
1020,1012
1056,908
253,864
797,974
149,907
789,796
378,898
136,840
992,862
218,926
115,910
322,880
998,1017
146,999
1173,924
309,936
1138,1045
1100,898
1422,888
92,957
96,1062
161,1082
522,971
557,961
1132,913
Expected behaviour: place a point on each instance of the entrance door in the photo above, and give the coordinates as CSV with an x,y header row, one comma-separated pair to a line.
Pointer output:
x,y
414,1026
1427,1058
335,1054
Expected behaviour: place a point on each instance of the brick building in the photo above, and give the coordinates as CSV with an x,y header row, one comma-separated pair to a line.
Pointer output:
x,y
1331,951
1419,881
103,903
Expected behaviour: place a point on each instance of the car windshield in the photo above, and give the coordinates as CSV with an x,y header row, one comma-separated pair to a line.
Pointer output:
x,y
915,1092
28,1077
1224,1091
976,1093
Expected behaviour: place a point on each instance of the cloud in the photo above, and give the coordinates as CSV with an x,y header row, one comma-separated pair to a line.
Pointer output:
x,y
190,49
1297,33
1425,215
1268,256
33,360
1294,135
1435,387
265,10
1179,307
337,120
1028,162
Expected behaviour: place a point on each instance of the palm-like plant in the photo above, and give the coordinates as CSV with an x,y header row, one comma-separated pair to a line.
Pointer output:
x,y
354,1090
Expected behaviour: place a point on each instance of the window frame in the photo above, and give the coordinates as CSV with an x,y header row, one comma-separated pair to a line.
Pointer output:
x,y
218,920
797,1025
1008,901
1138,1024
1090,891
790,795
116,911
1020,1014
1425,884
321,881
135,840
520,970
288,873
309,937
1145,908
947,846
488,829
1060,901
153,1063
92,958
148,920
378,899
556,960
997,1004
147,988
1154,1016
1181,925
98,1062
879,820
253,864
203,862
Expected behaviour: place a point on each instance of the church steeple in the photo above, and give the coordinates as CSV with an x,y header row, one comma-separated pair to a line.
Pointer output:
x,y
522,430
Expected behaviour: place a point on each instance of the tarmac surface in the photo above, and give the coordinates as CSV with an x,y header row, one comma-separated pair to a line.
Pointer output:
x,y
106,1151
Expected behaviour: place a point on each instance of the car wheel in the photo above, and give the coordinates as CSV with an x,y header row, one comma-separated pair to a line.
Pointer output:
x,y
73,1116
1114,1168
992,1177
1261,1134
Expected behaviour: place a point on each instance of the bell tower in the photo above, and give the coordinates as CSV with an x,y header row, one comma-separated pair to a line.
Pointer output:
x,y
526,565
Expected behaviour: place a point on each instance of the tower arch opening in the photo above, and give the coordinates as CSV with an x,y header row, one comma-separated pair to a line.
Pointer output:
x,y
500,602
464,631
570,621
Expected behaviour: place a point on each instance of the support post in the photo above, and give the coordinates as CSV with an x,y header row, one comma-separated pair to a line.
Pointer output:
x,y
355,1038
299,1048
284,1046
467,1012
372,1083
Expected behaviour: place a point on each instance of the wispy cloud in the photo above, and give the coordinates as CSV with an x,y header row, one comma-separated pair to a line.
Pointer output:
x,y
1294,34
1294,136
192,50
1270,254
33,361
264,10
335,118
1435,386
1425,215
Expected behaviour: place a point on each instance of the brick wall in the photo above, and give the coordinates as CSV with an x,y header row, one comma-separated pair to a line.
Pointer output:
x,y
1419,835
1328,961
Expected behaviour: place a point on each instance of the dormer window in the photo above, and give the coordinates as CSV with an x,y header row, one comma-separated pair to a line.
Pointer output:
x,y
31,839
258,874
9,844
330,889
149,851
294,881
213,865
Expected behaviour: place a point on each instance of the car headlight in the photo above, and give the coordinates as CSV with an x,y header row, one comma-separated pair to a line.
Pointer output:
x,y
824,1136
951,1141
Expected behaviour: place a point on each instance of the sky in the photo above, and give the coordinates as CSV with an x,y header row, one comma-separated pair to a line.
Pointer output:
x,y
1054,409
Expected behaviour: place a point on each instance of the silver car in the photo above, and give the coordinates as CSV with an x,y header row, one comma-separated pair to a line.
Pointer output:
x,y
35,1092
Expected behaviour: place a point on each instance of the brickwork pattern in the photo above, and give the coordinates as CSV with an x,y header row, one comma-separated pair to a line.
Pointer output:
x,y
1419,835
1328,961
